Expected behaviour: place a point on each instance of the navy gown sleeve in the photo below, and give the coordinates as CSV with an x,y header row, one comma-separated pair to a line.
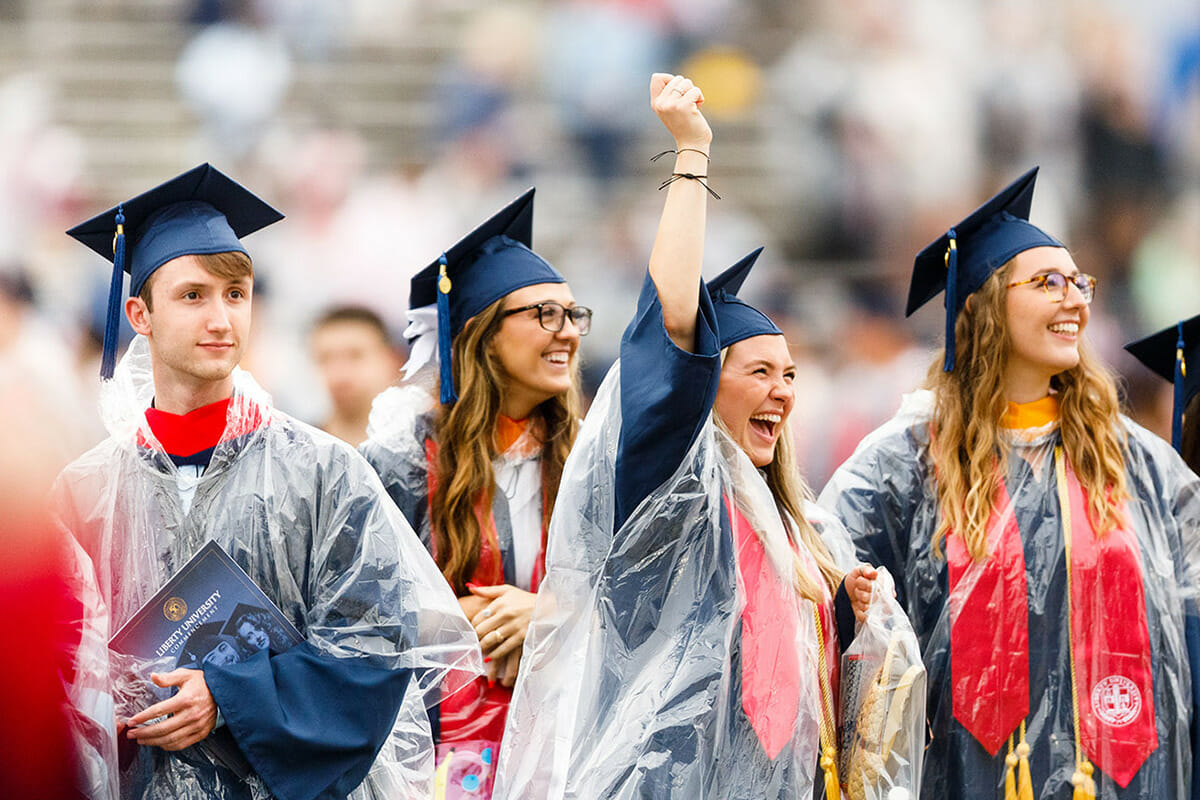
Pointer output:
x,y
1191,623
666,396
310,724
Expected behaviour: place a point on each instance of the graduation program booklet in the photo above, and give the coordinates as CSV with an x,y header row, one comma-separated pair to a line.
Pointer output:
x,y
209,612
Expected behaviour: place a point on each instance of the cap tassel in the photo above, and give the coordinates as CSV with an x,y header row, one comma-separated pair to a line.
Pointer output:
x,y
448,395
1177,410
112,324
951,299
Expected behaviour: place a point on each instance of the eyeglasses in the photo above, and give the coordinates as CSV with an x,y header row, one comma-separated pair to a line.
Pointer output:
x,y
553,316
1056,285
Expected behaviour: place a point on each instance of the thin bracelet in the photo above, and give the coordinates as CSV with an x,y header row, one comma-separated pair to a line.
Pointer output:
x,y
681,150
689,176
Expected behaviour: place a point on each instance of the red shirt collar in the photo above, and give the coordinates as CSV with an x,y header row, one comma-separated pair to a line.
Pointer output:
x,y
186,434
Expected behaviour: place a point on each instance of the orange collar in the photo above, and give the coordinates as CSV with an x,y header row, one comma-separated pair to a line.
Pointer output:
x,y
509,430
1038,414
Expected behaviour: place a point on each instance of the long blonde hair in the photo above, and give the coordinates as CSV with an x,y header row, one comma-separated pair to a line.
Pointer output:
x,y
466,437
966,445
791,491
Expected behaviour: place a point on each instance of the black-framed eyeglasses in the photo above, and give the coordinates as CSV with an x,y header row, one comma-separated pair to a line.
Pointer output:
x,y
1056,285
552,316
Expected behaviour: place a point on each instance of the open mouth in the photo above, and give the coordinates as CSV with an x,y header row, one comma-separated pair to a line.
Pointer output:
x,y
766,424
561,358
1065,328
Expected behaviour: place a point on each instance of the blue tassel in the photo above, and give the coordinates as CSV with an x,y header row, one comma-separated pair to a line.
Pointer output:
x,y
112,324
444,342
951,299
1177,411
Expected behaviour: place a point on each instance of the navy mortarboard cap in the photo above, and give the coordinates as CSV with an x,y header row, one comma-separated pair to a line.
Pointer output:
x,y
1168,353
199,212
489,262
737,319
966,255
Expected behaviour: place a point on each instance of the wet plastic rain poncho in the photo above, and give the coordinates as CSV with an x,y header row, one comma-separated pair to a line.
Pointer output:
x,y
632,680
305,516
885,494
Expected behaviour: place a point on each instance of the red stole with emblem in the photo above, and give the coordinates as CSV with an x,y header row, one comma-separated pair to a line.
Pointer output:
x,y
989,637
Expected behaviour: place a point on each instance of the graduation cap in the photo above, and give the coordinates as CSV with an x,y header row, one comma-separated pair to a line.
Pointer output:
x,y
966,255
737,319
199,212
1167,353
489,262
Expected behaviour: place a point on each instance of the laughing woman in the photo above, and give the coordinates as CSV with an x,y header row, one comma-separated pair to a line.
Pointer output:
x,y
477,473
685,643
1044,545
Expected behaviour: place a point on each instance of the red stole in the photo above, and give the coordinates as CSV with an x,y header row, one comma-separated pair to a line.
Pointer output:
x,y
989,637
470,709
771,666
1112,643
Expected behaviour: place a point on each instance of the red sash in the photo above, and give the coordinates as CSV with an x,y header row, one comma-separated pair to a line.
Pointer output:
x,y
771,670
989,663
989,635
472,710
1112,643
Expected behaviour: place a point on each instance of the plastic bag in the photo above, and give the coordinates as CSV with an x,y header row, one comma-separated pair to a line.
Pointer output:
x,y
882,703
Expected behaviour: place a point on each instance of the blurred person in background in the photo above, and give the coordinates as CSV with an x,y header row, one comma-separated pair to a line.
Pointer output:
x,y
1046,547
233,75
37,758
357,361
471,446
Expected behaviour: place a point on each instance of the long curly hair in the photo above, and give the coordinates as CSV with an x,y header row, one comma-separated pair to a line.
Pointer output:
x,y
966,445
465,432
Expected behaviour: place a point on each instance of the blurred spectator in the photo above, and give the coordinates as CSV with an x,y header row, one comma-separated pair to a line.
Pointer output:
x,y
234,75
357,361
598,55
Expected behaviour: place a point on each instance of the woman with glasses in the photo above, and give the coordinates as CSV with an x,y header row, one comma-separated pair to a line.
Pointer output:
x,y
471,446
1045,546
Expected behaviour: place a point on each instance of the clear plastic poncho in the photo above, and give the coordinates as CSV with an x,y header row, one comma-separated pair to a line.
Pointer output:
x,y
885,495
630,685
307,519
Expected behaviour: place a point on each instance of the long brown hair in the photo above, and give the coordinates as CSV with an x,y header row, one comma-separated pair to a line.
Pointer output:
x,y
966,444
466,436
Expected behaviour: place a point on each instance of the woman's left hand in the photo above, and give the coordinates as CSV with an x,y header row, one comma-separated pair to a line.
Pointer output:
x,y
502,624
858,588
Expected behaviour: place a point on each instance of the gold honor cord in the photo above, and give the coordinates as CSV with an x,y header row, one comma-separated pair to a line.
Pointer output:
x,y
833,790
1085,786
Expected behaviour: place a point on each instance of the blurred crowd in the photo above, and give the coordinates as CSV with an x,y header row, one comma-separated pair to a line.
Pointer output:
x,y
846,133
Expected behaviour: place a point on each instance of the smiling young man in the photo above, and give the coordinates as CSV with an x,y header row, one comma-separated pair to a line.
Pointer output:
x,y
197,453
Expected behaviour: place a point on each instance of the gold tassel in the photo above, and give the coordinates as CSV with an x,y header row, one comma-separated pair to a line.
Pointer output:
x,y
1010,762
829,764
1024,781
1085,786
441,777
